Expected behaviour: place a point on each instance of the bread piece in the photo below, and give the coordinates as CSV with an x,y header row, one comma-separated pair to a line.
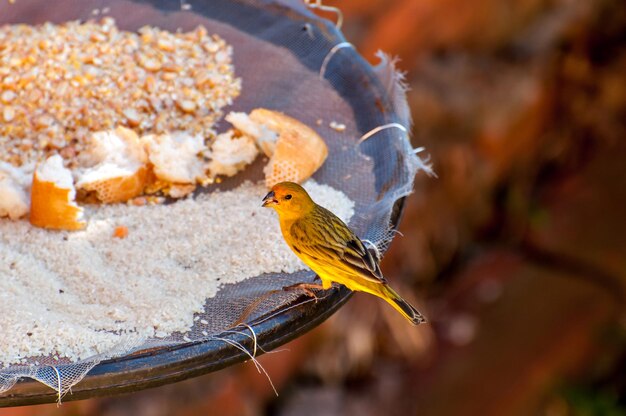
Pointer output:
x,y
52,197
262,134
176,157
15,190
299,150
111,184
118,170
13,198
230,154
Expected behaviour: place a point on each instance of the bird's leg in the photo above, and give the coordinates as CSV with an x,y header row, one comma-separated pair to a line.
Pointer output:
x,y
306,288
326,284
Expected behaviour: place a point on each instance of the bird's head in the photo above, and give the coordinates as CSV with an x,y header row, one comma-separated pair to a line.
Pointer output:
x,y
289,199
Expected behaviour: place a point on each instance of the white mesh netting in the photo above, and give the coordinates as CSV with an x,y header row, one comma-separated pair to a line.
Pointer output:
x,y
292,61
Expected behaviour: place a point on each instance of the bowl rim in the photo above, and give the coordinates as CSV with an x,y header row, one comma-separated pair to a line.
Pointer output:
x,y
163,365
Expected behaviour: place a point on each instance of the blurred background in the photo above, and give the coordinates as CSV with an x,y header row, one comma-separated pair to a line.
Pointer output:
x,y
516,252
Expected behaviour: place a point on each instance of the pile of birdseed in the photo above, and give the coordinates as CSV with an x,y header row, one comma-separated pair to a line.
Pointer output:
x,y
76,294
60,83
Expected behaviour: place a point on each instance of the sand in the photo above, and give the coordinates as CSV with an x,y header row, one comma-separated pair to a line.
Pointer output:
x,y
77,294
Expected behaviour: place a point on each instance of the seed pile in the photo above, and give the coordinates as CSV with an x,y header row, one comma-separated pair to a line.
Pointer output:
x,y
59,83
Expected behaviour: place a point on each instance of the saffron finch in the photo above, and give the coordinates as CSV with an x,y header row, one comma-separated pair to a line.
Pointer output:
x,y
326,244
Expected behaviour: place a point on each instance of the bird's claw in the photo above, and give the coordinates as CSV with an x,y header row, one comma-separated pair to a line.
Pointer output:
x,y
306,288
310,294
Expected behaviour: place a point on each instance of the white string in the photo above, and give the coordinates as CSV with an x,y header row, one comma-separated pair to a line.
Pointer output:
x,y
233,332
381,128
59,390
318,5
256,363
330,55
253,338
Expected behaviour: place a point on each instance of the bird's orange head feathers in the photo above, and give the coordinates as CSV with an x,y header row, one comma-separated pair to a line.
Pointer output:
x,y
289,199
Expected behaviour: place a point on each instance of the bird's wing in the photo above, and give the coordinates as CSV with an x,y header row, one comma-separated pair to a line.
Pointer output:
x,y
358,255
331,242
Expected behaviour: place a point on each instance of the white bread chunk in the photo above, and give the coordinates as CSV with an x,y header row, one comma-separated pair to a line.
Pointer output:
x,y
295,150
52,170
265,137
175,157
14,190
299,150
230,154
120,146
53,197
117,164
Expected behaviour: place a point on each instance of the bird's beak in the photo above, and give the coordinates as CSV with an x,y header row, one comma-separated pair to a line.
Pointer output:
x,y
270,199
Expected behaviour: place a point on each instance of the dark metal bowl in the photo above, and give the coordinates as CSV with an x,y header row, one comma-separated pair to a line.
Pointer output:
x,y
158,366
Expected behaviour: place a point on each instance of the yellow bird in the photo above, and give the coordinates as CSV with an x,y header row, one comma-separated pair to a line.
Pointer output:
x,y
326,244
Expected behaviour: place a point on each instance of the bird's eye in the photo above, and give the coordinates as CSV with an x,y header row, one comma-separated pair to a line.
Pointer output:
x,y
288,196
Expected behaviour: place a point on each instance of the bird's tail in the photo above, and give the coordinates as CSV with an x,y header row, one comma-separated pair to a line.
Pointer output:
x,y
401,305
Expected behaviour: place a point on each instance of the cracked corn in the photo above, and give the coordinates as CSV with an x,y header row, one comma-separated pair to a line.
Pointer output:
x,y
59,83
